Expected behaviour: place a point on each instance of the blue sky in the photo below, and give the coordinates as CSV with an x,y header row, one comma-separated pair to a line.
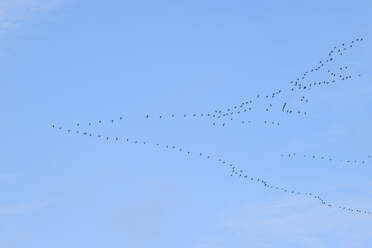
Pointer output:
x,y
70,62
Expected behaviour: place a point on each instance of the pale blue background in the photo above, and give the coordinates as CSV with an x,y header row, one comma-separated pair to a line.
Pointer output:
x,y
78,61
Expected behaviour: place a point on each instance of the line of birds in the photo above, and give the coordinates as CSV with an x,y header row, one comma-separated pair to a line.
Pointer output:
x,y
330,59
248,105
308,86
313,70
328,158
242,109
234,170
340,76
228,115
223,124
266,122
215,116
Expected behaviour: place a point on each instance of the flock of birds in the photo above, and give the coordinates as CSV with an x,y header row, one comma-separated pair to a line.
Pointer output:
x,y
357,162
120,119
221,117
233,169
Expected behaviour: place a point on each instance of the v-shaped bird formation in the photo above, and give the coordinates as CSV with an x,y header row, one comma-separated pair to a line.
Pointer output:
x,y
282,101
297,89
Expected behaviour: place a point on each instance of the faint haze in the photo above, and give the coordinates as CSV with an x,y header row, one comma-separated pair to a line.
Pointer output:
x,y
13,12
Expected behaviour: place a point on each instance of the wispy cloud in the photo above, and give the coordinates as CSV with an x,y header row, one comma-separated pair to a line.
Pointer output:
x,y
12,12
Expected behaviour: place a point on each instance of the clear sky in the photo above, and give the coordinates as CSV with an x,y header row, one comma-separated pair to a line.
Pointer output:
x,y
74,62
